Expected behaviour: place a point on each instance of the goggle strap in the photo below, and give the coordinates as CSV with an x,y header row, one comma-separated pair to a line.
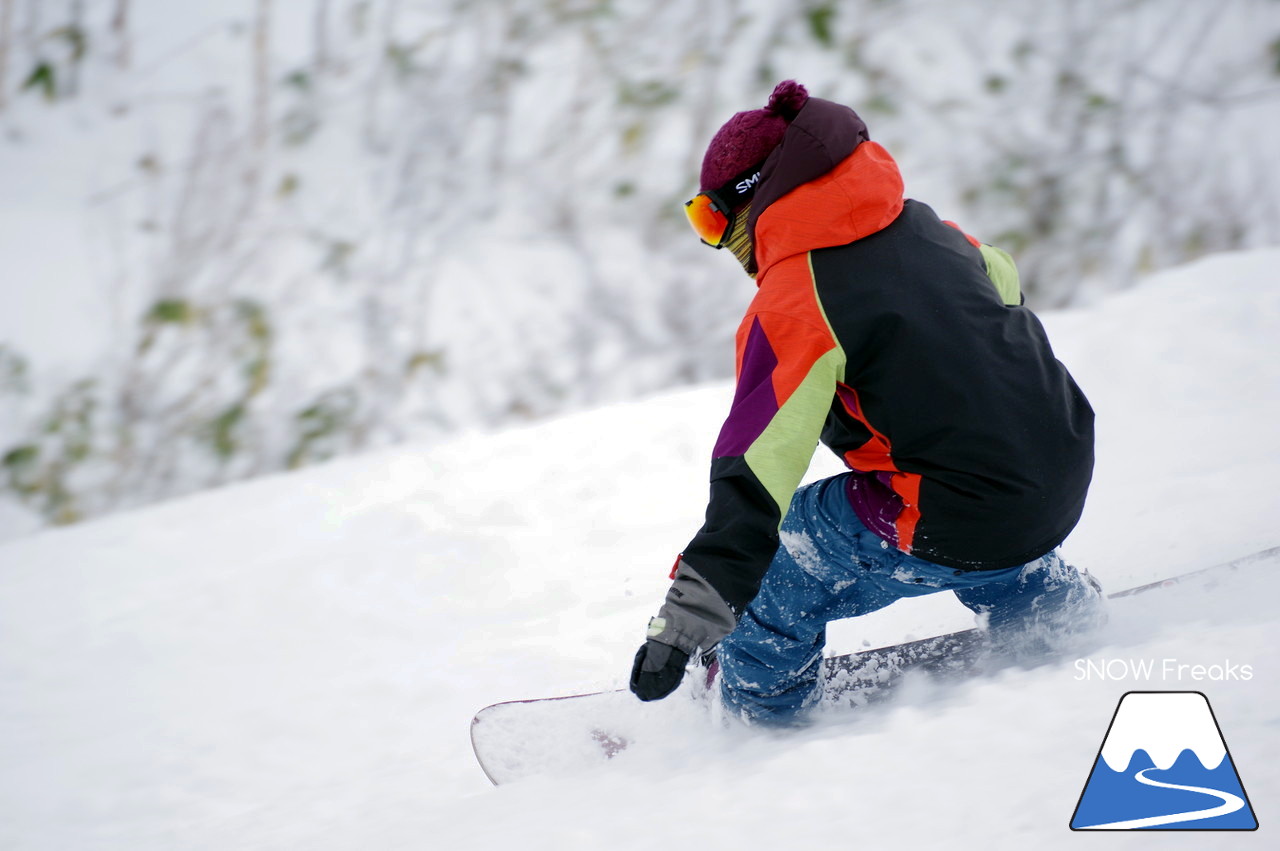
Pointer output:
x,y
739,189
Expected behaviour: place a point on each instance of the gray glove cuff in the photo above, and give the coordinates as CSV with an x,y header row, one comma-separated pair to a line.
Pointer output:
x,y
694,617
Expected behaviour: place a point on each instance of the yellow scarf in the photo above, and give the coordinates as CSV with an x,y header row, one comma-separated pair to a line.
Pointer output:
x,y
738,242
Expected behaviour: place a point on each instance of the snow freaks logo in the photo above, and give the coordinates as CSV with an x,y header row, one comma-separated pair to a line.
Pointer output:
x,y
1163,765
1164,669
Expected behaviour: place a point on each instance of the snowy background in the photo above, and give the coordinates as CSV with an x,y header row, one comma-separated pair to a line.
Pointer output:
x,y
247,236
435,249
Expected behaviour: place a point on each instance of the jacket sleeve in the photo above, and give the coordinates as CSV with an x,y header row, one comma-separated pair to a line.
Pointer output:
x,y
1000,268
787,375
1003,273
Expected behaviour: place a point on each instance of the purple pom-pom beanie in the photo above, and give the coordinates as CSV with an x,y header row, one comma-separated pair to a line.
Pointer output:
x,y
748,137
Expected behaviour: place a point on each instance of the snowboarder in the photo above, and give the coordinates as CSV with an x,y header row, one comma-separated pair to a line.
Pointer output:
x,y
902,344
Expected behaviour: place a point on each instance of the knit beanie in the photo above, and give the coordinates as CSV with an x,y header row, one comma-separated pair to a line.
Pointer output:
x,y
747,138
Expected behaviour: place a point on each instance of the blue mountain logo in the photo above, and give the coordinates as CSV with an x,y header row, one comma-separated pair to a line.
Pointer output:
x,y
1164,765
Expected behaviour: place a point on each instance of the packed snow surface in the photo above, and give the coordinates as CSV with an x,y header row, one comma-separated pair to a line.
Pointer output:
x,y
294,662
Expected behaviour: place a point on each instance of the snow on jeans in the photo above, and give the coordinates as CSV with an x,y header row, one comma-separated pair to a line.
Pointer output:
x,y
830,566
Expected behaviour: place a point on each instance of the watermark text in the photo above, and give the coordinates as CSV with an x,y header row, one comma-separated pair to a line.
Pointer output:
x,y
1173,670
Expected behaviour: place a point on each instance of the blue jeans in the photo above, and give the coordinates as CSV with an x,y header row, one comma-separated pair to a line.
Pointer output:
x,y
830,566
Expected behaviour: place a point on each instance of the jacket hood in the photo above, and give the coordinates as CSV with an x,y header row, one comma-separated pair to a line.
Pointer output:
x,y
826,184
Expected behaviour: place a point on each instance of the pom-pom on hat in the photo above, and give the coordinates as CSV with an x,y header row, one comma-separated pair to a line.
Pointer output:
x,y
747,138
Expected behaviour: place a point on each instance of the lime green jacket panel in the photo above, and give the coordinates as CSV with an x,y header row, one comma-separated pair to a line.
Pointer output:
x,y
781,454
1003,273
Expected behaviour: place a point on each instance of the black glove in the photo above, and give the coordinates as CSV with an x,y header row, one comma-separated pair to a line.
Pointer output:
x,y
658,670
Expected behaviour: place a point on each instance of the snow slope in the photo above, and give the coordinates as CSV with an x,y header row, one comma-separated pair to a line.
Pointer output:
x,y
293,662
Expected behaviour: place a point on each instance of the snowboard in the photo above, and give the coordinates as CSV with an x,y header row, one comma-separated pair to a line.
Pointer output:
x,y
557,735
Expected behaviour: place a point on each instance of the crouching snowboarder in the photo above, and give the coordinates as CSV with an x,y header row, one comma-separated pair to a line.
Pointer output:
x,y
901,344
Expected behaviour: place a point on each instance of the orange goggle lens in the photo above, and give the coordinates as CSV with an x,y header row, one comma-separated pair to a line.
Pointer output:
x,y
708,220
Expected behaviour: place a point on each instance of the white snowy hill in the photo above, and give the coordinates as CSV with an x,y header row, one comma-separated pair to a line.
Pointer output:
x,y
293,663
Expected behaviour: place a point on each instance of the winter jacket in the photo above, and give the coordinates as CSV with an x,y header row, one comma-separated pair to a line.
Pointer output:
x,y
902,345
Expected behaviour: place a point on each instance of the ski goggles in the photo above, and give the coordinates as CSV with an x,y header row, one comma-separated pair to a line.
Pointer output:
x,y
711,213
